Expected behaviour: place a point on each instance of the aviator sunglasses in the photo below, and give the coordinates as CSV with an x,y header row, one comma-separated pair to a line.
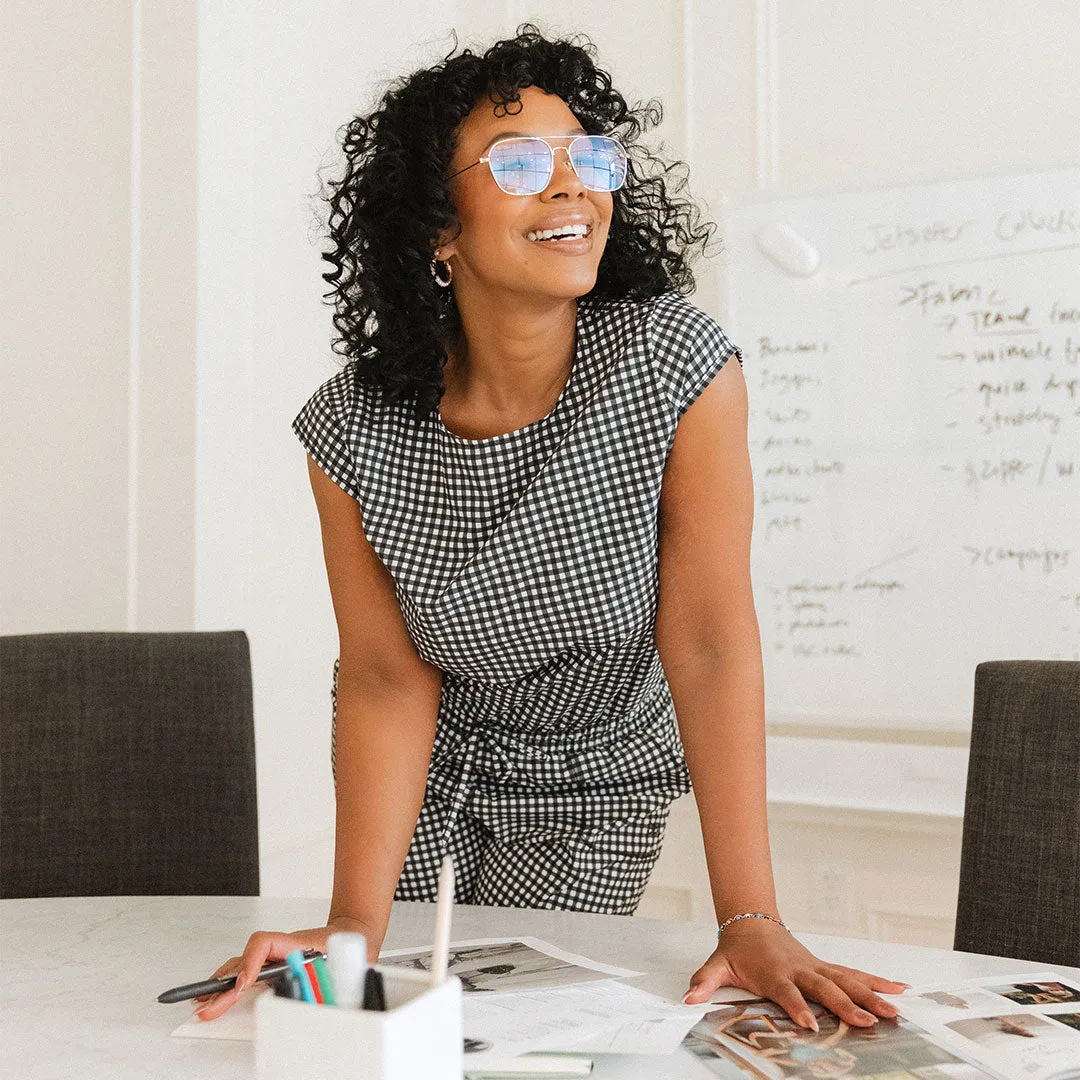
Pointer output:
x,y
524,165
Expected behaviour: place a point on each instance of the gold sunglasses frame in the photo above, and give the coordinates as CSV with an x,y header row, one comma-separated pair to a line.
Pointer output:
x,y
544,139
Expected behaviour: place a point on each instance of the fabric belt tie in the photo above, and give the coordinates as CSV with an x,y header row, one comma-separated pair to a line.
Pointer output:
x,y
479,752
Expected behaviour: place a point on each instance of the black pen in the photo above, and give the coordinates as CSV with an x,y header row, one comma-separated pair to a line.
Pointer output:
x,y
374,996
227,982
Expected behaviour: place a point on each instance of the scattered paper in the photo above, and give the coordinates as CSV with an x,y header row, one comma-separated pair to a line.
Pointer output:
x,y
238,1023
642,1036
762,1035
574,1018
1023,1025
509,964
485,964
999,1027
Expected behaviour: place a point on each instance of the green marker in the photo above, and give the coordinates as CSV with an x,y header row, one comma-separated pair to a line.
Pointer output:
x,y
326,984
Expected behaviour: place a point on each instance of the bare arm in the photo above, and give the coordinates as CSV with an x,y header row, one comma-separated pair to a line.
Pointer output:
x,y
387,705
707,637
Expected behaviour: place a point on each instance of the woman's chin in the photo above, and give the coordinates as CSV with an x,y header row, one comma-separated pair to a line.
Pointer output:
x,y
572,283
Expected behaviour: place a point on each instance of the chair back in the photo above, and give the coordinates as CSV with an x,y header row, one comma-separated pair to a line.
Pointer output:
x,y
1020,858
128,765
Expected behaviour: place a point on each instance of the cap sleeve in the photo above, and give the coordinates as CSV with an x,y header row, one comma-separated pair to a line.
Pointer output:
x,y
688,349
322,424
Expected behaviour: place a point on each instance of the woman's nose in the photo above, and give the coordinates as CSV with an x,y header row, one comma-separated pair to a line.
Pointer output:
x,y
567,173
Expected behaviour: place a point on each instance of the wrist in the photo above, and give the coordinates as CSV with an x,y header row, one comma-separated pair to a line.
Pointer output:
x,y
349,924
744,920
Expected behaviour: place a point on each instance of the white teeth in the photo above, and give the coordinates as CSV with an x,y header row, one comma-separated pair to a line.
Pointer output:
x,y
566,230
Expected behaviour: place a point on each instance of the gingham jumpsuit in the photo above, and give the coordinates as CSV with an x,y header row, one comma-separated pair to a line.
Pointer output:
x,y
526,568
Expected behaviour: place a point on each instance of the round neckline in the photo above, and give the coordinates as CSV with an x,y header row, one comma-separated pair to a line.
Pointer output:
x,y
559,401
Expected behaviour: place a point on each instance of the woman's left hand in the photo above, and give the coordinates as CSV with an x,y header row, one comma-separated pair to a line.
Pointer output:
x,y
759,956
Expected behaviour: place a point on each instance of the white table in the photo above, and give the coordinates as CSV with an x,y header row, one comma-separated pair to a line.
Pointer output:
x,y
80,977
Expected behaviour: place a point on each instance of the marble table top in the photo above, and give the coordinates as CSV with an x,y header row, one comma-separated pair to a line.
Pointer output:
x,y
81,976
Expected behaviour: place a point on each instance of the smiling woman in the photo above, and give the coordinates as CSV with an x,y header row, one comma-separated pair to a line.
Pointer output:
x,y
399,199
535,497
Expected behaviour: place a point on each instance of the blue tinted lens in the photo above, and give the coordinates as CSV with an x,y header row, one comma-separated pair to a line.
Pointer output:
x,y
599,161
521,166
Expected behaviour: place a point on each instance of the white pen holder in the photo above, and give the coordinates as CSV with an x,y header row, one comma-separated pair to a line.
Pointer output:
x,y
418,1036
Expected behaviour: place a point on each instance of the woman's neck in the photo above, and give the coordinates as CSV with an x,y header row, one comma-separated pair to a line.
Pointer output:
x,y
503,365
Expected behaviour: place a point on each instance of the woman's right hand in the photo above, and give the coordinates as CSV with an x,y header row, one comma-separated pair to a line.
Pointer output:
x,y
264,946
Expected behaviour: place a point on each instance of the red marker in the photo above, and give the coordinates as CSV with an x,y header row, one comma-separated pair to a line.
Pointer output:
x,y
309,967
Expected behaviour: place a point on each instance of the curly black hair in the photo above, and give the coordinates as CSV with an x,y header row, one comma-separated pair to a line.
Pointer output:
x,y
388,208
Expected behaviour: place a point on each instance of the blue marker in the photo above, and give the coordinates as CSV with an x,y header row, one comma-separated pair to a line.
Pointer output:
x,y
295,960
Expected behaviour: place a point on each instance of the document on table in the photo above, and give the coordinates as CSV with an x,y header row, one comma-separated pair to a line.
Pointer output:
x,y
238,1023
501,965
643,1036
546,999
1024,1025
983,1029
600,1017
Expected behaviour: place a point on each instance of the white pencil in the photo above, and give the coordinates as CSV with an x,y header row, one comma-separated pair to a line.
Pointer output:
x,y
444,905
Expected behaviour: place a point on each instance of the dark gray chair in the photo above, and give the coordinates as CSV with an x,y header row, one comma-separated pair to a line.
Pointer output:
x,y
128,765
1020,858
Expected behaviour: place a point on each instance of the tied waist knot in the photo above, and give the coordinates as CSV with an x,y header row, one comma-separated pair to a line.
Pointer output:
x,y
479,753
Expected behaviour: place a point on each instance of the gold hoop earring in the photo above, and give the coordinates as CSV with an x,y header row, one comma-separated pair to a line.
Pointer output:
x,y
435,273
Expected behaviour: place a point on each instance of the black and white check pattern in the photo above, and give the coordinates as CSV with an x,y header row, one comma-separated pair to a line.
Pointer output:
x,y
526,569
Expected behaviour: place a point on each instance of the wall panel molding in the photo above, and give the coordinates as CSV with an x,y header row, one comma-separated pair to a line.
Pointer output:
x,y
886,875
767,92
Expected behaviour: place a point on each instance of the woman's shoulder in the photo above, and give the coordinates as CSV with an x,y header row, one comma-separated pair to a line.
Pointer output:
x,y
687,347
339,410
675,320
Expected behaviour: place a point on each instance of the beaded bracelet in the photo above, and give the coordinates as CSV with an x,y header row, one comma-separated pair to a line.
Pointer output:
x,y
749,915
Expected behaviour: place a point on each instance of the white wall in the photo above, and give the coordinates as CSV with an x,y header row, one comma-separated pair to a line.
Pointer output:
x,y
150,477
98,308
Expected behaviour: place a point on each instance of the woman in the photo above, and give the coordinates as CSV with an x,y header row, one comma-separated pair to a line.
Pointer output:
x,y
536,504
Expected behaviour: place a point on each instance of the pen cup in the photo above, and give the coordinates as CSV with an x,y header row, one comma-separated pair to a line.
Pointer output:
x,y
419,1034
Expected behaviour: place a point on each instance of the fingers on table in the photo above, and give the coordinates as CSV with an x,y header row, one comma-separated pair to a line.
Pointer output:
x,y
218,1004
860,987
259,947
245,968
702,984
789,997
875,982
843,994
230,967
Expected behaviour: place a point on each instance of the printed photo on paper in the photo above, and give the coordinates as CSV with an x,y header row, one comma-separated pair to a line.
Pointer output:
x,y
960,1001
1037,993
760,1034
1011,1025
505,964
1014,1030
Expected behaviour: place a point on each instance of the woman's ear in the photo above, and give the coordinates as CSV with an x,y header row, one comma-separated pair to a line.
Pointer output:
x,y
442,247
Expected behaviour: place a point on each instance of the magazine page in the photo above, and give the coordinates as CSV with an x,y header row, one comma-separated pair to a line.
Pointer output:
x,y
502,965
593,1017
1020,1026
762,1037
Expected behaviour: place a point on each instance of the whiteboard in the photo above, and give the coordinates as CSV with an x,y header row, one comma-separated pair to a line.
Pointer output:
x,y
915,439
